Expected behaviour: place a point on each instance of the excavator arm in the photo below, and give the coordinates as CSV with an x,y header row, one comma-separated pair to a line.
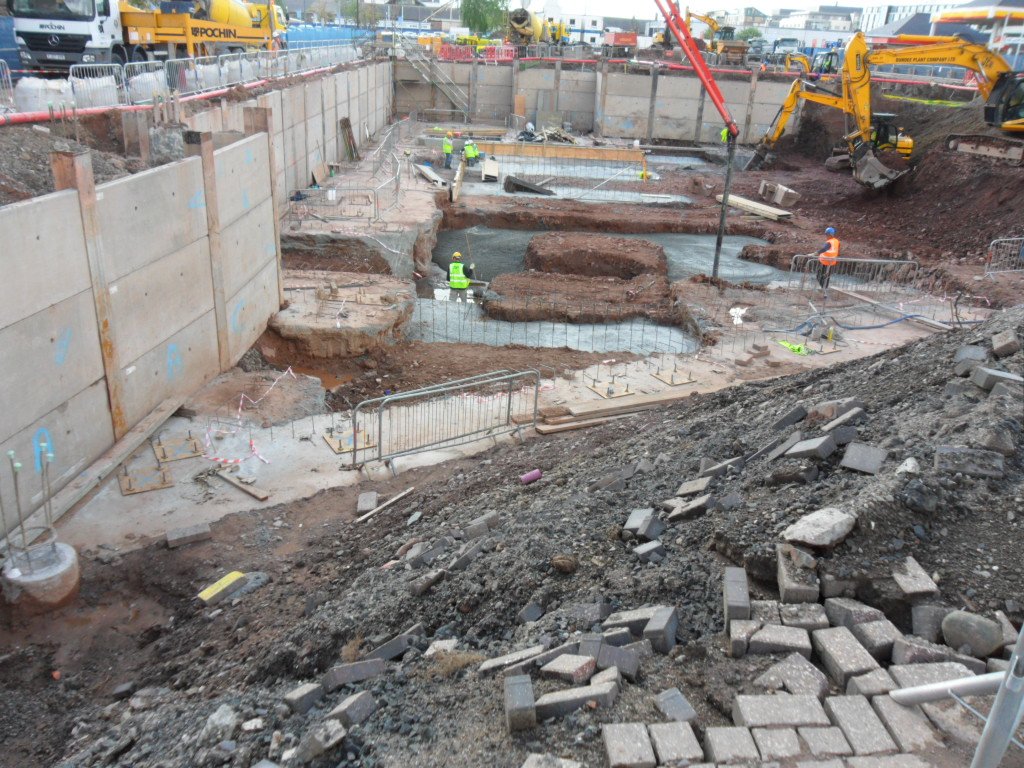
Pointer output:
x,y
800,60
714,25
951,51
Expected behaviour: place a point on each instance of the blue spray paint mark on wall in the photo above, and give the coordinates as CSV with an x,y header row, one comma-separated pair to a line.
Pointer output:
x,y
236,317
60,352
41,437
250,157
245,200
197,201
270,249
175,363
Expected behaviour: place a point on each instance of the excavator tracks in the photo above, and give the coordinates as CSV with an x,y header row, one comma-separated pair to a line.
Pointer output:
x,y
1007,150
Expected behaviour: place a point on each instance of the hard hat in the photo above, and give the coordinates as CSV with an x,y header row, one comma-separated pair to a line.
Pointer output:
x,y
830,230
450,134
456,256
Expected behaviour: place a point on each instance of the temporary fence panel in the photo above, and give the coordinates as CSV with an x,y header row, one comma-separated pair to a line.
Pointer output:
x,y
335,203
455,53
875,276
499,53
1005,255
6,88
146,81
443,416
98,85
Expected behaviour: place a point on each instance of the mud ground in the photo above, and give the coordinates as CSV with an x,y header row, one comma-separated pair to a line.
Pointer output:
x,y
595,255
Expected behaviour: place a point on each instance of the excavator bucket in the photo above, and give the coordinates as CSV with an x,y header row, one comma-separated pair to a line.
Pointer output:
x,y
871,171
757,159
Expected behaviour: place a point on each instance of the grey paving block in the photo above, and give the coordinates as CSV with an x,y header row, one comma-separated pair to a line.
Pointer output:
x,y
764,450
650,552
915,650
785,445
822,529
975,462
661,629
865,458
807,616
500,662
795,674
765,611
888,761
673,705
561,703
635,620
740,632
729,745
675,743
775,638
851,417
366,502
845,612
877,637
735,595
393,648
692,509
986,378
777,711
355,672
841,654
536,662
910,675
860,725
626,658
535,760
354,710
870,684
610,675
794,415
651,528
913,580
694,487
302,698
571,668
825,742
1005,343
628,745
970,352
908,726
815,448
590,644
1012,391
926,621
845,435
796,585
776,743
179,537
717,470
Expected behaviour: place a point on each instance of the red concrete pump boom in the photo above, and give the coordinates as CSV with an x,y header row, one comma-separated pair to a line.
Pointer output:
x,y
679,28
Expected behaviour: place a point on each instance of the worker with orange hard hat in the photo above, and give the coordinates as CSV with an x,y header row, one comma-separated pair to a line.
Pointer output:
x,y
446,147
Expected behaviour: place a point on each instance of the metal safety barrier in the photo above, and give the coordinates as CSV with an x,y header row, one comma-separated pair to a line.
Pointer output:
x,y
499,54
874,276
6,88
146,81
98,85
1005,255
455,53
443,416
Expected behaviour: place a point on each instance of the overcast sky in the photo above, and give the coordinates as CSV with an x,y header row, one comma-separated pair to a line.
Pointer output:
x,y
646,9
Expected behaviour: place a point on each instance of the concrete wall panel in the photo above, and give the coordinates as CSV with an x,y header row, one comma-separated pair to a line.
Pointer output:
x,y
250,309
243,177
246,245
272,101
293,100
152,303
36,251
149,215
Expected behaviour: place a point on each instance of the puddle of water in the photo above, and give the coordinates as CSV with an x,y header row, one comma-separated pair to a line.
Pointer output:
x,y
327,380
498,251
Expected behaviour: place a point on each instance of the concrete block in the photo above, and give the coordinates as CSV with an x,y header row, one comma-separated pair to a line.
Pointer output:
x,y
530,612
561,703
913,580
628,745
538,661
832,409
694,487
617,637
729,745
844,435
970,352
965,367
423,584
354,710
860,725
888,761
778,711
635,620
825,742
302,699
873,683
441,646
179,537
986,378
500,662
841,654
651,528
926,621
861,457
318,740
845,612
1005,343
833,586
636,519
740,632
717,470
877,637
661,629
673,705
821,529
796,585
915,650
735,594
590,644
355,672
520,706
571,668
367,502
809,616
692,509
534,760
765,611
815,448
794,415
851,417
675,743
764,450
467,553
650,552
393,648
908,726
610,675
776,638
627,659
1003,389
776,743
796,675
783,447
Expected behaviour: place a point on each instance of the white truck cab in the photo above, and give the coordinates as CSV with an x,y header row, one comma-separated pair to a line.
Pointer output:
x,y
54,34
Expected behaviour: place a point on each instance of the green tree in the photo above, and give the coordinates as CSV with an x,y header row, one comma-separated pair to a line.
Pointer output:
x,y
483,16
748,34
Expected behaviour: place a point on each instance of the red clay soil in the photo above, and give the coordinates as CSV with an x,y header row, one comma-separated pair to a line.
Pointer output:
x,y
329,253
595,255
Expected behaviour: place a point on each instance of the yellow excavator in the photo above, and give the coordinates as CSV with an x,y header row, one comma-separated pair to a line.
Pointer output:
x,y
1002,89
724,44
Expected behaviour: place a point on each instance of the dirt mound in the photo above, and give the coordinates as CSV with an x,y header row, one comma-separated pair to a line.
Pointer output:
x,y
594,255
316,251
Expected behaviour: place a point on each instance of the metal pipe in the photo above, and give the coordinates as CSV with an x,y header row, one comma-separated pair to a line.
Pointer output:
x,y
1006,712
979,685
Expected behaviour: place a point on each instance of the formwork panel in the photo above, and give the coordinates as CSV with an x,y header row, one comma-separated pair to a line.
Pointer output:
x,y
144,217
250,309
154,302
272,101
246,246
294,102
243,177
36,251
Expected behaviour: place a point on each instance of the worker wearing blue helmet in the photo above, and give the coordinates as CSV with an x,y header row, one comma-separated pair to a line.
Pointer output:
x,y
828,257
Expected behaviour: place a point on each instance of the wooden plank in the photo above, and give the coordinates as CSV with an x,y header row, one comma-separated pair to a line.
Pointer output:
x,y
519,104
112,458
563,151
893,312
551,429
253,491
428,174
634,403
759,209
386,504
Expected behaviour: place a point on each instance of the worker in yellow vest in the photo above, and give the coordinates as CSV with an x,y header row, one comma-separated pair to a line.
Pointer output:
x,y
828,257
471,152
459,276
446,147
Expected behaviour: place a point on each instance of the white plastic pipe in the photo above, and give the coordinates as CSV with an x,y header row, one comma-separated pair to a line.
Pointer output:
x,y
978,685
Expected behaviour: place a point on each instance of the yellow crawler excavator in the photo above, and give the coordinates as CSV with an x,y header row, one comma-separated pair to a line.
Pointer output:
x,y
876,133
